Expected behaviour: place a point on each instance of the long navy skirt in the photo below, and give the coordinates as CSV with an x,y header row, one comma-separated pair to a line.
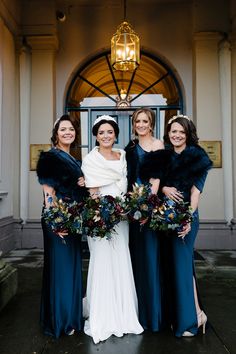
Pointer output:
x,y
145,257
61,302
178,291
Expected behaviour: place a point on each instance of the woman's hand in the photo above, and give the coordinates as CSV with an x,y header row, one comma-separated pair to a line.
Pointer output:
x,y
185,231
155,182
172,193
49,195
62,233
144,221
94,193
81,182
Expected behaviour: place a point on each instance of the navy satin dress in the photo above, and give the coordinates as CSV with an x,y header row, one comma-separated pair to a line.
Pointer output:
x,y
145,256
61,301
178,266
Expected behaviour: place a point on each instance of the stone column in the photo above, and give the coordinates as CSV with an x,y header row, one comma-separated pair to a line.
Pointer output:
x,y
25,88
233,105
226,119
1,89
207,116
42,105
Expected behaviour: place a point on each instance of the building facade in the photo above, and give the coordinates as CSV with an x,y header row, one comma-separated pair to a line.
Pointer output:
x,y
54,58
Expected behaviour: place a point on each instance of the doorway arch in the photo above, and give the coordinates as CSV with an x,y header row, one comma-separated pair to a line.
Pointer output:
x,y
122,91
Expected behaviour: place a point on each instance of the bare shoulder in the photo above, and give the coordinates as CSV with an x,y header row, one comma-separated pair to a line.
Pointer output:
x,y
157,145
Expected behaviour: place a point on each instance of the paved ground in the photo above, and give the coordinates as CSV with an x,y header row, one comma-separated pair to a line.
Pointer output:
x,y
20,332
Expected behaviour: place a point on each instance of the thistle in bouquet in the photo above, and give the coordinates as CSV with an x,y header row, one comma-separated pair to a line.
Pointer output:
x,y
171,215
63,216
101,215
140,203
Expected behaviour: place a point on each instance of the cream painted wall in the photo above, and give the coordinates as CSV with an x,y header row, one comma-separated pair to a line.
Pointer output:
x,y
9,124
208,118
42,116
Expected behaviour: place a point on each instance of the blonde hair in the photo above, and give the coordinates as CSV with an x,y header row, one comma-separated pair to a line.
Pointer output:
x,y
151,117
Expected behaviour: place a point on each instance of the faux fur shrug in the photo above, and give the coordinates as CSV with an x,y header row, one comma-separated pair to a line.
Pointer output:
x,y
61,171
152,166
182,170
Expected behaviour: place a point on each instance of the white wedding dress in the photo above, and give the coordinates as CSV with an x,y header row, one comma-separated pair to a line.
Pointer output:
x,y
110,305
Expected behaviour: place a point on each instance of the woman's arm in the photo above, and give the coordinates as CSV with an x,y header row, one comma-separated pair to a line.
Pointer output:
x,y
49,195
194,198
155,182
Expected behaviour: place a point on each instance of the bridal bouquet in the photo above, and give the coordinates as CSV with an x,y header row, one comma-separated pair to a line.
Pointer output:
x,y
140,202
63,215
171,215
100,215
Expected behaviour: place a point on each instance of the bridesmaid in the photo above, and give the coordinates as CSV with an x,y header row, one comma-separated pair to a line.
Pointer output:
x,y
185,179
59,173
144,243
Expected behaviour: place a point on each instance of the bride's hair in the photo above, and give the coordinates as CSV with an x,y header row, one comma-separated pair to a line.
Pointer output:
x,y
104,121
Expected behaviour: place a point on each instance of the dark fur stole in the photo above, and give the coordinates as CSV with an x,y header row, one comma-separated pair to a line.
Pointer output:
x,y
56,170
154,164
186,168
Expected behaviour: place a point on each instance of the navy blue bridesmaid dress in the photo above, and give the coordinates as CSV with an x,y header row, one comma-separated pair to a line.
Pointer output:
x,y
61,301
187,169
145,254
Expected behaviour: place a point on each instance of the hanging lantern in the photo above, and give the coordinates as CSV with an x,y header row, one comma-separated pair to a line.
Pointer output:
x,y
125,48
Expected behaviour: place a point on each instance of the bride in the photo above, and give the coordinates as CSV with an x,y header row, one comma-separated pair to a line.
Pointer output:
x,y
110,305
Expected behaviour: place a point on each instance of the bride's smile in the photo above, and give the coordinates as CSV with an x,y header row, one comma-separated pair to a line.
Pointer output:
x,y
106,135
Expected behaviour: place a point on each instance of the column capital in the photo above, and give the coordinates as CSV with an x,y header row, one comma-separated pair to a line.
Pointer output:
x,y
208,37
47,42
207,41
224,45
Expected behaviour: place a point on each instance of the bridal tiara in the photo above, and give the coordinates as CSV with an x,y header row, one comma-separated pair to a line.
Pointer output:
x,y
56,121
104,117
178,116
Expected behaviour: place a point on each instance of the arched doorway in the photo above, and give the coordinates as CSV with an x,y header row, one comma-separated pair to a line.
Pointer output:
x,y
96,89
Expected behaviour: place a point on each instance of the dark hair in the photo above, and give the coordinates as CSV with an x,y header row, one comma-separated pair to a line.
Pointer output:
x,y
189,129
54,138
104,121
150,114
